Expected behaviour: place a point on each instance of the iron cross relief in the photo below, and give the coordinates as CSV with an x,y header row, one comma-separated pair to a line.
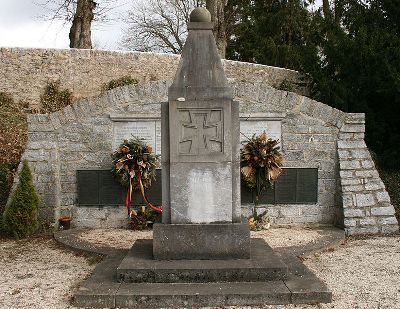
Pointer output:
x,y
202,134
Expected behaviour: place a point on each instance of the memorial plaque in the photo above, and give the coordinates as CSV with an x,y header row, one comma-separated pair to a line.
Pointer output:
x,y
147,130
294,186
249,127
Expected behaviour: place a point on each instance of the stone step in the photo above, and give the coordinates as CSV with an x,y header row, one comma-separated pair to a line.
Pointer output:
x,y
161,295
134,295
102,290
139,267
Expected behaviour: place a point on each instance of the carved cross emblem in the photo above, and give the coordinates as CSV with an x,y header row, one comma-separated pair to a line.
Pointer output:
x,y
201,133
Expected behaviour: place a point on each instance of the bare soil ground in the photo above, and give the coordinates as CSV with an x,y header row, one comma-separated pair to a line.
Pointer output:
x,y
362,273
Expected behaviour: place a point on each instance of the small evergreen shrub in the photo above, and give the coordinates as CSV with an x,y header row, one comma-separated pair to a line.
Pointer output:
x,y
286,86
119,82
54,98
6,176
20,218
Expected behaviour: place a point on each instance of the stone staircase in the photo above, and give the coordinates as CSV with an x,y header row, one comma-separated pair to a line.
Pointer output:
x,y
136,280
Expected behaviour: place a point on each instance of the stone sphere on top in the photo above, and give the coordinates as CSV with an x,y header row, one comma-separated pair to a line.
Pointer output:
x,y
200,14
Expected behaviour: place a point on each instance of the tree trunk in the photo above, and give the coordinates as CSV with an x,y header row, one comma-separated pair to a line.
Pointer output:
x,y
217,10
326,9
80,32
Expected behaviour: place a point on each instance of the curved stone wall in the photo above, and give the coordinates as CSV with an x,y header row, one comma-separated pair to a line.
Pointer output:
x,y
350,192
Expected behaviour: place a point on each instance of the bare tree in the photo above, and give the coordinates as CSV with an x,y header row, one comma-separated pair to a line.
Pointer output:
x,y
80,32
158,25
161,25
81,13
217,10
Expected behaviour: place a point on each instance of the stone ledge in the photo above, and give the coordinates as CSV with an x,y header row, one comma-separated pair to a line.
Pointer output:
x,y
201,241
139,266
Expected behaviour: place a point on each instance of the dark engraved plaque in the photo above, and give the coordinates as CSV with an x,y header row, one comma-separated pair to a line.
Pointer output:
x,y
88,187
99,188
307,185
294,186
285,187
110,190
267,196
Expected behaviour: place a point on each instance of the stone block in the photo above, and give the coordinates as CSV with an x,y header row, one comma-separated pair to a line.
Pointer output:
x,y
361,230
388,229
353,212
383,196
350,188
367,221
366,199
290,211
367,174
55,120
308,210
344,154
348,200
201,241
388,221
346,174
36,155
353,127
368,164
351,144
382,211
349,165
294,155
201,193
355,117
346,136
371,185
350,181
360,154
350,222
359,136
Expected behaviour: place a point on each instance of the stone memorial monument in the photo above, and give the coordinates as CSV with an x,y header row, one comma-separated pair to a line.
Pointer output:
x,y
201,254
200,157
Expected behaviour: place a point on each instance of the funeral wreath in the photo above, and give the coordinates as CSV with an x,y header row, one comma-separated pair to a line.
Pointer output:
x,y
260,161
134,166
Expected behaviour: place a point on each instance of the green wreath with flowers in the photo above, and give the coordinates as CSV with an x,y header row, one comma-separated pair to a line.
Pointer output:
x,y
134,162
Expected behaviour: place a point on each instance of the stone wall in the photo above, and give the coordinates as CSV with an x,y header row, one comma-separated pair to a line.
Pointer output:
x,y
24,72
314,135
366,203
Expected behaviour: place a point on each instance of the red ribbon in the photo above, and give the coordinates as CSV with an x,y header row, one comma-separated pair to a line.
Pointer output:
x,y
128,200
158,209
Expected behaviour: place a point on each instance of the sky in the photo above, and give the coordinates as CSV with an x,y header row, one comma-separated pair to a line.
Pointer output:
x,y
22,26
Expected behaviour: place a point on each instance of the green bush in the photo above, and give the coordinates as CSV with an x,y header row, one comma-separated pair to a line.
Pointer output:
x,y
6,171
122,81
54,98
20,218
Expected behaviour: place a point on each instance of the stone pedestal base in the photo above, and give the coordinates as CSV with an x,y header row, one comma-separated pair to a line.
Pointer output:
x,y
201,241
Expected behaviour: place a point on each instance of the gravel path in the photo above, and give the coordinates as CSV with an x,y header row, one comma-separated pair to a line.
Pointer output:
x,y
123,239
363,273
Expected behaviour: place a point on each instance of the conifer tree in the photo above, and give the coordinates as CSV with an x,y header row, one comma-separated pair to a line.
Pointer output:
x,y
21,216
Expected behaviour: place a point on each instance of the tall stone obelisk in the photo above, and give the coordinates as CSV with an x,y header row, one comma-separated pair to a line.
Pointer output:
x,y
200,157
